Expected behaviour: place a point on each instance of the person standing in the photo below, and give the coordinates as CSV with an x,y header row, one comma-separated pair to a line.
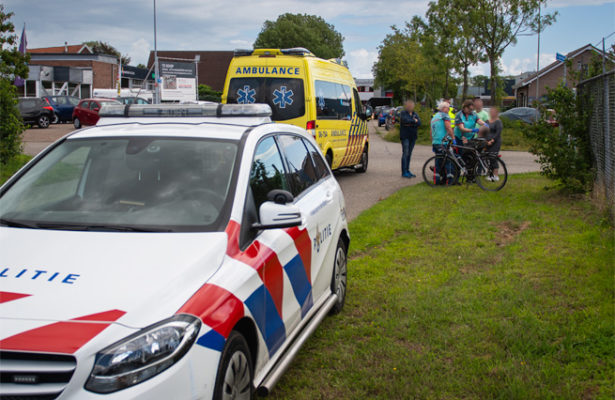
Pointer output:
x,y
465,123
480,111
494,138
441,130
409,123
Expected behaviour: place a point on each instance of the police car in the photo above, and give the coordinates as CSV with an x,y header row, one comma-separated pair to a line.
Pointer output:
x,y
170,252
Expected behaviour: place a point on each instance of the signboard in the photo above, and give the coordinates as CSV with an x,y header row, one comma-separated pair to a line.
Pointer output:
x,y
131,72
560,57
175,88
178,81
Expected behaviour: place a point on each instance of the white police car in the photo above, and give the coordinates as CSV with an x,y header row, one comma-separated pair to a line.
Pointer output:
x,y
171,252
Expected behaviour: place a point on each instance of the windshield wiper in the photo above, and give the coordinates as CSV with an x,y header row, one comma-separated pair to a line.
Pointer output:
x,y
17,224
101,228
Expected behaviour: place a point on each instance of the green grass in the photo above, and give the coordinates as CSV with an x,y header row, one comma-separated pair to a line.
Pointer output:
x,y
8,169
455,293
512,136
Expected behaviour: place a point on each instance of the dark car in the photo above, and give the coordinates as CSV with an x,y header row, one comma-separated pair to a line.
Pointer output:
x,y
86,112
35,110
382,115
133,100
63,107
393,117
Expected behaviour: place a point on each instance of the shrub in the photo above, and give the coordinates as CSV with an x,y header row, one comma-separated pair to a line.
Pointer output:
x,y
564,153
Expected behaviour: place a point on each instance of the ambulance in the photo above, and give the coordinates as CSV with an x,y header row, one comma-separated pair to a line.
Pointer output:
x,y
306,91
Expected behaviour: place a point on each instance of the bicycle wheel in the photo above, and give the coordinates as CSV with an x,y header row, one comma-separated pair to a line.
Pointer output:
x,y
440,171
494,177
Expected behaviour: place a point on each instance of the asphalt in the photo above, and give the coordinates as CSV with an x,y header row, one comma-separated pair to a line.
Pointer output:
x,y
361,191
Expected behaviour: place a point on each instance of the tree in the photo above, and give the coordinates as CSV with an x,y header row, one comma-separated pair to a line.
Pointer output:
x,y
302,30
208,94
141,65
496,24
12,63
99,47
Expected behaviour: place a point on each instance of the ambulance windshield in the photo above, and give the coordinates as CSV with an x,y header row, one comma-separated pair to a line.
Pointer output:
x,y
128,184
285,96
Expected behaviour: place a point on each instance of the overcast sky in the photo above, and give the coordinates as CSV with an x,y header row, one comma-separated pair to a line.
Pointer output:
x,y
225,25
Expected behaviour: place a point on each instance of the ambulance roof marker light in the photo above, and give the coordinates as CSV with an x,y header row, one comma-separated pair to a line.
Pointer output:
x,y
184,110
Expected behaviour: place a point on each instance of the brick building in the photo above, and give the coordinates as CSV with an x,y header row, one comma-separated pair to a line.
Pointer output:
x,y
212,66
80,57
551,75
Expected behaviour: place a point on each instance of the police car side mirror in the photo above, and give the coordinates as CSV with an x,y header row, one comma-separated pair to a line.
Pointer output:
x,y
276,216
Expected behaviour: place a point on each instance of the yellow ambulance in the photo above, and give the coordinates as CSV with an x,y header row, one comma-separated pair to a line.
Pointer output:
x,y
307,91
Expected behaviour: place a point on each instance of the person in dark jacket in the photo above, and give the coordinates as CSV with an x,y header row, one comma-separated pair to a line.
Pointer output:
x,y
494,138
409,123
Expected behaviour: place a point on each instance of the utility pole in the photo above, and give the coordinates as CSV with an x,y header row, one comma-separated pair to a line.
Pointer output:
x,y
156,67
538,56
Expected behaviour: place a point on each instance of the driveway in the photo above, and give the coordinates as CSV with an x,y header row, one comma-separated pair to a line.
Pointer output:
x,y
383,176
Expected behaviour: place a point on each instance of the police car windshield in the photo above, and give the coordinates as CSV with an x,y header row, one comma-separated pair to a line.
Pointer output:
x,y
125,184
285,96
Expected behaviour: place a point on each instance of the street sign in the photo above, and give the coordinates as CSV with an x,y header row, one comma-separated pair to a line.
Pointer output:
x,y
560,57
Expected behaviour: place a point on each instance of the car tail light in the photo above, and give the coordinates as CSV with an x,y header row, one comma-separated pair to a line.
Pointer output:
x,y
311,127
48,108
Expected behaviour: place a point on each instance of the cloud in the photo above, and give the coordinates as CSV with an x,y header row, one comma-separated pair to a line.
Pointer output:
x,y
139,51
519,65
360,62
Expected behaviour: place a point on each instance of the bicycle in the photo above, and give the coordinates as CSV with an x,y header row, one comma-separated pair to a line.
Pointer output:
x,y
449,168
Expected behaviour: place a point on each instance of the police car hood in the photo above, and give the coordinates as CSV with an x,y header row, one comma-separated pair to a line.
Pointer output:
x,y
132,279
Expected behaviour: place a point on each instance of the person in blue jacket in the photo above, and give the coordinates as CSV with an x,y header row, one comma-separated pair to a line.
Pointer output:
x,y
409,123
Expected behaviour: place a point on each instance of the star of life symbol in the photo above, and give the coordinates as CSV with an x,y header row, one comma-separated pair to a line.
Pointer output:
x,y
247,95
283,97
321,101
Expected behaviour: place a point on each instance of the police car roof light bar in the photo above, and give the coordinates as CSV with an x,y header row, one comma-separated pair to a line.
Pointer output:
x,y
184,110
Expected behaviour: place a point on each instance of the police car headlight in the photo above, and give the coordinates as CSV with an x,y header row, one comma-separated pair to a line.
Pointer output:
x,y
143,355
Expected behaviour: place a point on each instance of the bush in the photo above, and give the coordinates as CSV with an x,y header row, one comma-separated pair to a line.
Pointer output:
x,y
11,125
564,153
206,93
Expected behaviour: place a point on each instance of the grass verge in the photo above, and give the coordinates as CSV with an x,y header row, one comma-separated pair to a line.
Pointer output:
x,y
7,170
461,294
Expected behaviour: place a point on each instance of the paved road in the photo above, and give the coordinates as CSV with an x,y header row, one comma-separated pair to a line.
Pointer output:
x,y
383,176
361,191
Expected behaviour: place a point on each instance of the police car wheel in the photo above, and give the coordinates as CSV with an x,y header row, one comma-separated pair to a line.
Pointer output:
x,y
235,372
340,276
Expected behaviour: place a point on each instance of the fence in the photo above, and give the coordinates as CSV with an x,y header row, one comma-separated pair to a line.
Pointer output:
x,y
600,92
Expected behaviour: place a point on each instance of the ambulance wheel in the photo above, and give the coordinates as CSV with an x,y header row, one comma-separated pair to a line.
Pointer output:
x,y
362,168
329,159
340,277
235,372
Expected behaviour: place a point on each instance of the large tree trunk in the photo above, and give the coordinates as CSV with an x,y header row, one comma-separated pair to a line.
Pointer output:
x,y
445,94
492,83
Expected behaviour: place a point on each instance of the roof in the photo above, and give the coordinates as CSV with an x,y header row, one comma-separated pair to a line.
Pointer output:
x,y
556,64
212,67
71,49
197,128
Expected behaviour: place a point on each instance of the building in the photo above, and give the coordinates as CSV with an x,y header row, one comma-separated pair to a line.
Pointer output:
x,y
211,66
551,75
69,69
371,94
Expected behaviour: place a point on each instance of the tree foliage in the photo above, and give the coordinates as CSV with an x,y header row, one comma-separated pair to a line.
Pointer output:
x,y
12,64
302,30
99,47
206,93
496,24
564,154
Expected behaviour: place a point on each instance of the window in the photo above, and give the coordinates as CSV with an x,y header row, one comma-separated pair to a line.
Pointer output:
x,y
85,104
321,167
73,101
285,96
94,105
357,102
301,171
267,171
332,101
161,183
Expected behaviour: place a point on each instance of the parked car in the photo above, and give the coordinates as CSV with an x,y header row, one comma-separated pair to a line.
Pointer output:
x,y
382,115
35,110
529,115
132,100
393,117
86,112
63,107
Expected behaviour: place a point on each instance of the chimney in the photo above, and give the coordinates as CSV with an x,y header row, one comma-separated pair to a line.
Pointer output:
x,y
66,47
